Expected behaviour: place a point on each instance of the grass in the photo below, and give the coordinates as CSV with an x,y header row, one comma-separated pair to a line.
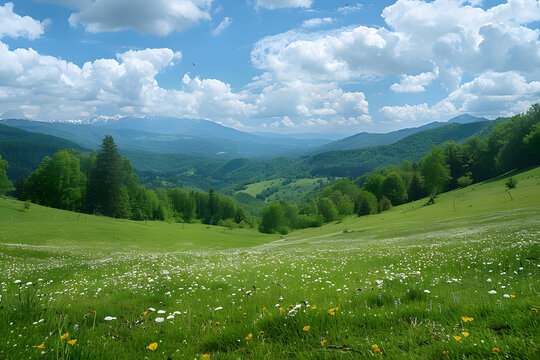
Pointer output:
x,y
373,271
292,191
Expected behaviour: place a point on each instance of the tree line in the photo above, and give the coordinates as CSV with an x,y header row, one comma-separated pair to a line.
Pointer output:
x,y
510,145
104,183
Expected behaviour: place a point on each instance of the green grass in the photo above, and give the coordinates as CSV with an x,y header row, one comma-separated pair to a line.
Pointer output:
x,y
374,269
295,190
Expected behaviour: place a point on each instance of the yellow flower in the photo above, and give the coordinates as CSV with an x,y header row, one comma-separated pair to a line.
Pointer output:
x,y
249,336
465,319
65,336
496,350
512,296
465,333
245,314
218,323
534,310
323,342
261,332
145,313
264,309
152,346
375,346
377,350
458,338
306,328
313,307
72,342
42,346
281,309
446,352
333,311
206,356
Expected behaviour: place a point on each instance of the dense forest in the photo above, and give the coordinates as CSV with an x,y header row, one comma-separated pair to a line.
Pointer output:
x,y
510,145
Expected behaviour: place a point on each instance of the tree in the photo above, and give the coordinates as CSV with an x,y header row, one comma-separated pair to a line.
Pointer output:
x,y
366,203
106,191
374,185
327,209
510,183
435,171
384,204
416,188
273,219
5,184
394,188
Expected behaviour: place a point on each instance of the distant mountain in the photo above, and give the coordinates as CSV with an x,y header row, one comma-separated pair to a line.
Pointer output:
x,y
188,136
365,139
25,150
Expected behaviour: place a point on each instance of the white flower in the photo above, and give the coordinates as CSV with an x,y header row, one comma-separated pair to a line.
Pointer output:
x,y
161,312
218,308
427,291
170,317
160,319
151,309
506,296
109,318
29,283
17,281
492,292
488,280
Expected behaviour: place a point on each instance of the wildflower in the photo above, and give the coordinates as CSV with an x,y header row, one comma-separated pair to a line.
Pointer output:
x,y
534,310
492,292
446,352
152,346
375,346
42,346
109,318
264,309
281,309
427,291
245,314
206,356
72,342
261,332
306,328
512,296
496,350
218,323
159,320
465,333
333,311
65,336
323,342
458,338
145,313
506,296
313,307
465,319
378,351
249,336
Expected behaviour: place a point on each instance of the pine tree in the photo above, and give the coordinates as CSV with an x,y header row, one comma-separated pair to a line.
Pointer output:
x,y
106,192
5,184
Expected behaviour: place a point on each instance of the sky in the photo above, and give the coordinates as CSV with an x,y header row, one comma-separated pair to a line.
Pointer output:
x,y
285,66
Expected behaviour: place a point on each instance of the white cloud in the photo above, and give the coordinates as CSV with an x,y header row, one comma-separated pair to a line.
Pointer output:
x,y
350,8
159,17
279,4
316,22
15,26
490,94
287,121
225,23
414,83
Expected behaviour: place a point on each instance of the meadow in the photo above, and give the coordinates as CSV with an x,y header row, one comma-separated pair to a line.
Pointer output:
x,y
453,280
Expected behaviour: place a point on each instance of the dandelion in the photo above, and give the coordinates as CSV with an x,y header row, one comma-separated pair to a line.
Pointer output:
x,y
458,338
313,307
333,311
65,336
218,323
512,296
465,319
72,342
145,313
281,309
375,346
206,356
323,342
465,333
249,336
152,346
496,350
245,314
378,351
306,328
42,346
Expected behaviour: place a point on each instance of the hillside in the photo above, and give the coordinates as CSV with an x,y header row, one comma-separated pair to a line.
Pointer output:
x,y
390,277
25,150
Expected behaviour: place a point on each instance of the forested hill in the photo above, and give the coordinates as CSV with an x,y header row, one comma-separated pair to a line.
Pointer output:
x,y
413,148
25,150
365,139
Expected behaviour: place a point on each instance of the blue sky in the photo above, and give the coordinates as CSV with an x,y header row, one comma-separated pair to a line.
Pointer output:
x,y
270,65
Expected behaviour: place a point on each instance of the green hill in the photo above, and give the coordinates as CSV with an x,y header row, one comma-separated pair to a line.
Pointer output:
x,y
25,150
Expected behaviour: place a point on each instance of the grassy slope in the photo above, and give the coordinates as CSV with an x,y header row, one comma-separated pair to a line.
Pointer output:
x,y
295,190
375,273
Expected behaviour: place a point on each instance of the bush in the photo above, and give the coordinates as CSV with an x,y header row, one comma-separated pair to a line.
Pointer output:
x,y
385,204
464,181
510,183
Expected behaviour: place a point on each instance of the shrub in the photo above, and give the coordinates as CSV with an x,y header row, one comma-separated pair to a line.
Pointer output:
x,y
510,183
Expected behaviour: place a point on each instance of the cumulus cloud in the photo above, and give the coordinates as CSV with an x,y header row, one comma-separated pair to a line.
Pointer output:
x,y
159,17
15,26
316,22
225,23
279,4
414,83
350,8
490,94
